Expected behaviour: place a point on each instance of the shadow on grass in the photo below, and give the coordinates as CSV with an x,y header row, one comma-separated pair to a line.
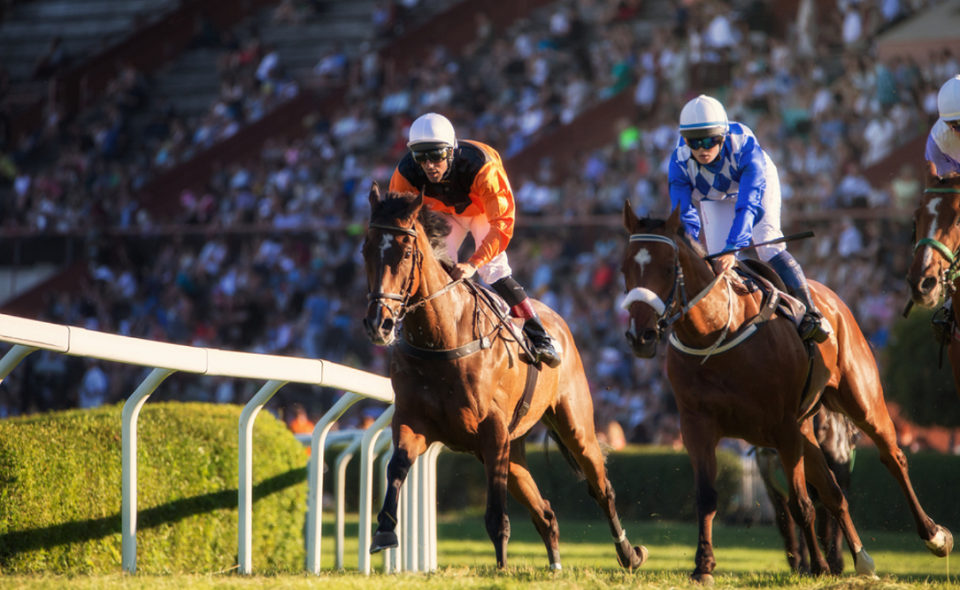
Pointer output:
x,y
17,542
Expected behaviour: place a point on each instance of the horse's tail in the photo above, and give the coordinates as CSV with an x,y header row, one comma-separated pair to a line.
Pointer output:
x,y
568,455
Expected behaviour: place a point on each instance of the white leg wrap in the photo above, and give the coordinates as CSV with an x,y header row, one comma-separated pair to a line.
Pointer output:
x,y
622,537
937,541
556,567
864,564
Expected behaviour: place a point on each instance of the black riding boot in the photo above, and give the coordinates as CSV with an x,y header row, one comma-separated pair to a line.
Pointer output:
x,y
791,273
520,307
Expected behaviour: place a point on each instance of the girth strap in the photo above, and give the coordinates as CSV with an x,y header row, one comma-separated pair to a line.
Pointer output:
x,y
533,371
443,355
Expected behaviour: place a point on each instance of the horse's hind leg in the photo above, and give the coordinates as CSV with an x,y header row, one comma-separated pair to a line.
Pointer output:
x,y
869,413
577,440
407,446
819,475
769,464
524,489
791,451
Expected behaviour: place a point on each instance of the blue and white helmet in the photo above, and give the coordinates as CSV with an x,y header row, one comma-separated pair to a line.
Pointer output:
x,y
703,116
948,101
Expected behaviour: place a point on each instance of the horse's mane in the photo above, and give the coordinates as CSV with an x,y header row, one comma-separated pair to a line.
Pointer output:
x,y
397,206
655,222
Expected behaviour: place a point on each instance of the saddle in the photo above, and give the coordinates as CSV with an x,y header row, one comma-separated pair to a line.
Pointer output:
x,y
759,275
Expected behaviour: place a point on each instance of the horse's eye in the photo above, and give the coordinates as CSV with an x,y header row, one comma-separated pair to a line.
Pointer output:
x,y
408,253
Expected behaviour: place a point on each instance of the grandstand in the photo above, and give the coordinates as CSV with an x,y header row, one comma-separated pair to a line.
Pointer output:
x,y
209,189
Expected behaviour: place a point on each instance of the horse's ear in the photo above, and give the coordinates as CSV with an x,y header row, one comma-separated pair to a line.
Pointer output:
x,y
374,194
673,222
418,202
630,219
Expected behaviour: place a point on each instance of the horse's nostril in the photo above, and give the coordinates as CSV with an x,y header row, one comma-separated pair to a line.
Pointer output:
x,y
387,326
928,285
648,336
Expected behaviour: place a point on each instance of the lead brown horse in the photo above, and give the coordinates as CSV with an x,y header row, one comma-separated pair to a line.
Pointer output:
x,y
935,268
458,380
754,390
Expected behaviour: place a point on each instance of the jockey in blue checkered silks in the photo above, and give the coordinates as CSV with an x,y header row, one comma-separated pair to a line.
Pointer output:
x,y
720,164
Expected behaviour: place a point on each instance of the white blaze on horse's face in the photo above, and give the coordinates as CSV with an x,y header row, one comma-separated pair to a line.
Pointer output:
x,y
932,208
385,244
642,259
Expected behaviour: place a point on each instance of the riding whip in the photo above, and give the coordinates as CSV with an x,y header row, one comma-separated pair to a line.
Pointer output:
x,y
800,236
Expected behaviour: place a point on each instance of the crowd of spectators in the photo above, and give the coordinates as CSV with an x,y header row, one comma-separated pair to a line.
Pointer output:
x,y
821,104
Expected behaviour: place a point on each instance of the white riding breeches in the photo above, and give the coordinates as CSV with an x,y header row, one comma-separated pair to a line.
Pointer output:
x,y
717,218
478,227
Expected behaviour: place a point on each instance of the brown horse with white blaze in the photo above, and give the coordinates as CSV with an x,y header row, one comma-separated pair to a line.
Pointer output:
x,y
459,380
935,268
751,386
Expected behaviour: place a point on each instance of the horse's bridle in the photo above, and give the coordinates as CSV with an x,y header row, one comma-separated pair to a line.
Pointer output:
x,y
404,296
660,307
953,257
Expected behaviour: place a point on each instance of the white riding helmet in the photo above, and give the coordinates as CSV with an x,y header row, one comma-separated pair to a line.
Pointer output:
x,y
948,101
703,116
432,131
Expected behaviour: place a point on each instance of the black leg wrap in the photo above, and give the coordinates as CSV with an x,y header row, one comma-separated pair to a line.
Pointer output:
x,y
510,290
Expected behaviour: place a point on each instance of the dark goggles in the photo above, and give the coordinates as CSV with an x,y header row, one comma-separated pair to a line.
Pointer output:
x,y
704,142
955,125
434,155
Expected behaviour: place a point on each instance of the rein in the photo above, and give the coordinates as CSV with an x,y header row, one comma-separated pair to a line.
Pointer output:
x,y
679,286
953,271
425,353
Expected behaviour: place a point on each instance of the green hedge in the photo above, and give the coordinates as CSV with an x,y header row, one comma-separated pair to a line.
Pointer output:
x,y
877,503
61,491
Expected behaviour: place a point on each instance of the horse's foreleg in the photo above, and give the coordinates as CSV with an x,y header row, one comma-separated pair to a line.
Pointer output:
x,y
879,427
407,447
701,443
524,489
496,462
578,438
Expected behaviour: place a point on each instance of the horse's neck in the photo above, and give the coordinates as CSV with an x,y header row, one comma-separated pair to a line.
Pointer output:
x,y
437,324
718,309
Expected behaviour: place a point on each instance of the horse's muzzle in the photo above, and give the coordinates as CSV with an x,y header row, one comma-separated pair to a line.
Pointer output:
x,y
924,291
645,345
380,332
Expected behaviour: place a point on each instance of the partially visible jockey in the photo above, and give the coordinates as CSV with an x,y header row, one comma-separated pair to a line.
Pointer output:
x,y
721,165
943,144
943,150
465,181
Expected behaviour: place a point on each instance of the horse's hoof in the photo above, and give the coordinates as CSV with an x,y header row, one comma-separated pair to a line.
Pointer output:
x,y
703,579
381,541
942,543
639,557
863,564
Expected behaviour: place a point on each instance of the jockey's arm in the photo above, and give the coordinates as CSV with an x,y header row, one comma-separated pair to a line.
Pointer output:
x,y
753,183
681,195
492,190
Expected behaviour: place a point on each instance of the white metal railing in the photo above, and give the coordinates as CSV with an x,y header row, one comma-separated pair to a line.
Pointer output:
x,y
30,335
